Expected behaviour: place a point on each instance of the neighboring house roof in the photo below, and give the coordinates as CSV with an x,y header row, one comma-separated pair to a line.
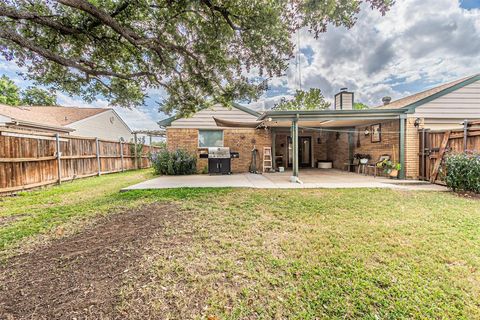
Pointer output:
x,y
53,116
423,97
168,121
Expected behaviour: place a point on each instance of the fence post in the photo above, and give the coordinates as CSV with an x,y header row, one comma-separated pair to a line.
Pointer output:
x,y
465,135
135,151
99,165
59,158
121,154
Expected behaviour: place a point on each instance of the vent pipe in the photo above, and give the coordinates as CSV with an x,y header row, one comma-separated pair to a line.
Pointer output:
x,y
386,100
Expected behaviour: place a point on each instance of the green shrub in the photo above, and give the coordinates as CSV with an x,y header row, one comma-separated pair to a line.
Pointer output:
x,y
463,172
177,162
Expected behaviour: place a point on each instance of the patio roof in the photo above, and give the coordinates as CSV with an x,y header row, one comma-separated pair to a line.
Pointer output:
x,y
296,119
328,118
326,115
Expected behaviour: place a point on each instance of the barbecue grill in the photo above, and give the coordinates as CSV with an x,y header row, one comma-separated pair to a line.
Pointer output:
x,y
220,160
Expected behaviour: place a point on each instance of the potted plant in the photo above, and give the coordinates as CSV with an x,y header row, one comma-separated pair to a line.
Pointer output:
x,y
390,167
362,157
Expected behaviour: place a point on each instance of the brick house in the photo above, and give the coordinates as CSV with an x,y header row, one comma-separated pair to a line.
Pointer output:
x,y
300,139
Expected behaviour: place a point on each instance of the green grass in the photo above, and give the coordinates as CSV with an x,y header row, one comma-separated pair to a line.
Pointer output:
x,y
283,254
310,254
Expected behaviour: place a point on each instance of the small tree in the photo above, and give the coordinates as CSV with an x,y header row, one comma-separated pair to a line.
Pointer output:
x,y
360,106
38,97
304,100
9,91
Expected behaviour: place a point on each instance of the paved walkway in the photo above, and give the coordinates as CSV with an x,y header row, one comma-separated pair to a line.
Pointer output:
x,y
311,178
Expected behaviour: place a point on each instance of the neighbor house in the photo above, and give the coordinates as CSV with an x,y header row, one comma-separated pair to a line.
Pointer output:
x,y
103,123
304,138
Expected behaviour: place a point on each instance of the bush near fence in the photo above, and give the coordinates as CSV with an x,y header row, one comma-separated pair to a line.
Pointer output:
x,y
33,159
178,162
463,172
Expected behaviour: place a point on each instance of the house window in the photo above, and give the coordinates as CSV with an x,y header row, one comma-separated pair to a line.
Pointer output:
x,y
210,138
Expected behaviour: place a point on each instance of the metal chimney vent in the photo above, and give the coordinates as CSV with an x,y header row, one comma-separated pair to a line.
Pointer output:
x,y
386,100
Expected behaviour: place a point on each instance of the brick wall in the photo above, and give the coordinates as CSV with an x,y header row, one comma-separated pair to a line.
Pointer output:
x,y
243,141
337,149
412,148
239,140
389,144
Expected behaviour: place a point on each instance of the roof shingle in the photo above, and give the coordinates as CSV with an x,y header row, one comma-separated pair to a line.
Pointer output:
x,y
53,116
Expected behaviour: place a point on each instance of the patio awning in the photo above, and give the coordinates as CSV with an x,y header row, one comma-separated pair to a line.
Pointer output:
x,y
295,119
237,124
322,116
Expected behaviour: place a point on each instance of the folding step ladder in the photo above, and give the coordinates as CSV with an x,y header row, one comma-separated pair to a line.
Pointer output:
x,y
267,159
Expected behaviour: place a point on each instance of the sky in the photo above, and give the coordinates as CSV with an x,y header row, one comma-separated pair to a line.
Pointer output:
x,y
418,44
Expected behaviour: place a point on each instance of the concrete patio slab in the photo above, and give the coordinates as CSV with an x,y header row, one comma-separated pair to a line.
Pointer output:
x,y
311,178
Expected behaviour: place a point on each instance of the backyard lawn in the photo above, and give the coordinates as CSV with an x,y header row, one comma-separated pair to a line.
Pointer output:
x,y
84,249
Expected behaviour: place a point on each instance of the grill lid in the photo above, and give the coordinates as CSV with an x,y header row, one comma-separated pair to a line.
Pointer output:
x,y
219,152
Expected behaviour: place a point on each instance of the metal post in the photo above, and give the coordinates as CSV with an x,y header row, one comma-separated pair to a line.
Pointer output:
x,y
135,150
274,137
99,165
294,135
121,155
59,158
465,135
402,146
296,148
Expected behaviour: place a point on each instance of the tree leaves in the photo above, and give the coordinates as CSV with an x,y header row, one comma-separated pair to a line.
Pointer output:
x,y
197,51
9,92
305,100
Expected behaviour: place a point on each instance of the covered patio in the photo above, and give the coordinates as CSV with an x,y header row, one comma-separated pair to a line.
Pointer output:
x,y
301,139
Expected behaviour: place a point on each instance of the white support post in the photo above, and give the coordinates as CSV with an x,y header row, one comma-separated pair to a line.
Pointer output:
x,y
294,135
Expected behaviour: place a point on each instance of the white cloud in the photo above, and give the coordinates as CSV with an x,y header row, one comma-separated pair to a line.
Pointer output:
x,y
415,45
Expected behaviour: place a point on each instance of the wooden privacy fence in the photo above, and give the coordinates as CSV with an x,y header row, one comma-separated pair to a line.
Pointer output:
x,y
33,159
435,144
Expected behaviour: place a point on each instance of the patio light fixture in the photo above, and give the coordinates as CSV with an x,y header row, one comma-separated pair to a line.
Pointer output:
x,y
367,132
417,122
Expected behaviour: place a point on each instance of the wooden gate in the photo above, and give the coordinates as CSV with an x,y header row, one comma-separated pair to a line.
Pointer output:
x,y
435,144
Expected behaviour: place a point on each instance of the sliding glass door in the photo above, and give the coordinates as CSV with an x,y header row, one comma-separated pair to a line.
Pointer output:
x,y
304,152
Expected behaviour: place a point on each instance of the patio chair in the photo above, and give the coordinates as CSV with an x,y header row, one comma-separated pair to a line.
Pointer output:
x,y
352,165
375,165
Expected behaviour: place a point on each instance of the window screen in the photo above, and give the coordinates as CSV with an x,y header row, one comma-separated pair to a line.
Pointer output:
x,y
210,138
